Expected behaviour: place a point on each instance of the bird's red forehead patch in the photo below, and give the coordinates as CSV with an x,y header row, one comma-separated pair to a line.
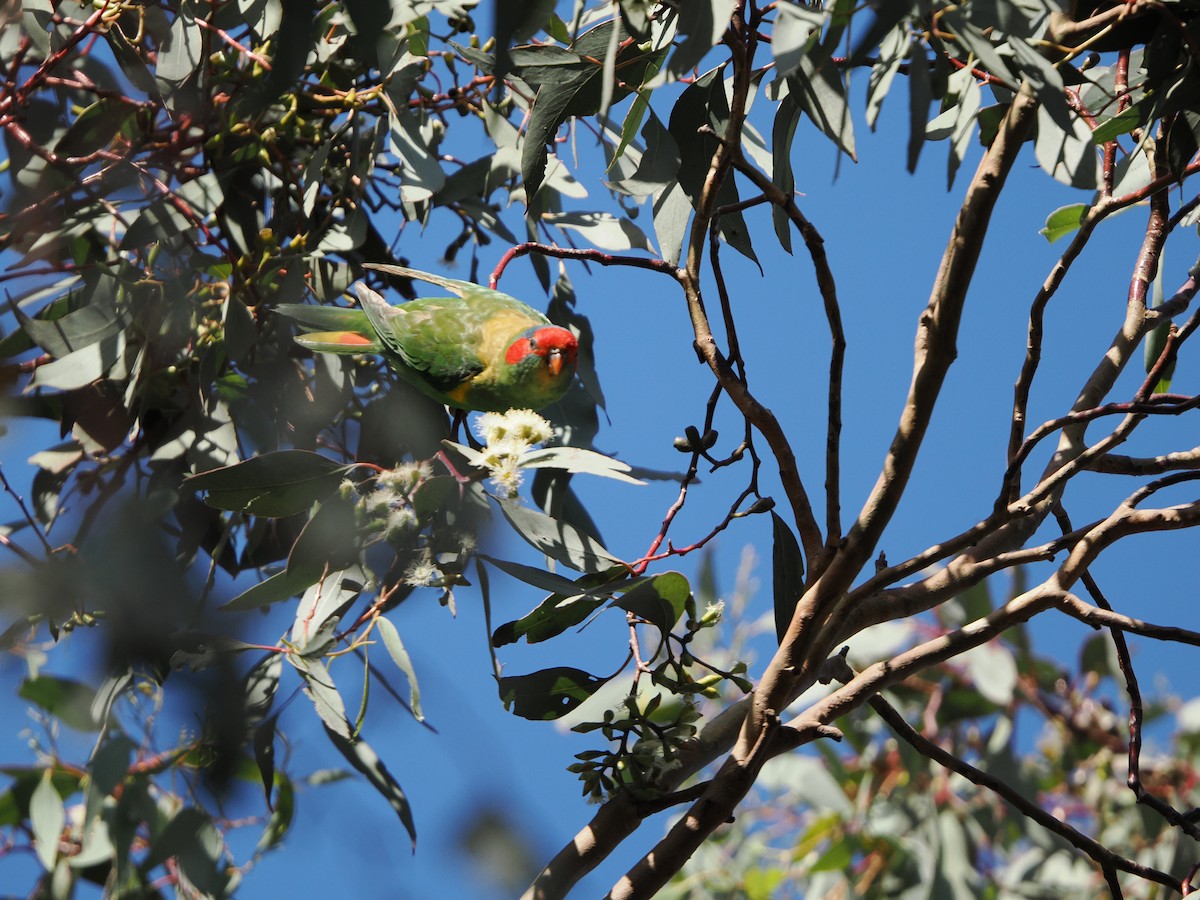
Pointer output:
x,y
555,338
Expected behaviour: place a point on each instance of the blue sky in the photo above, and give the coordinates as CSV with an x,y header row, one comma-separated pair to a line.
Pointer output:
x,y
884,231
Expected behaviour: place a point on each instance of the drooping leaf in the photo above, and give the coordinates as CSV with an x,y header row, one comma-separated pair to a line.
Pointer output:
x,y
395,648
556,539
795,25
920,95
704,106
360,755
319,686
575,89
783,131
262,742
787,573
1156,339
822,96
47,815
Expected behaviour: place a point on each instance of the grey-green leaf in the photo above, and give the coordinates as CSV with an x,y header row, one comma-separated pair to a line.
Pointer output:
x,y
556,539
46,819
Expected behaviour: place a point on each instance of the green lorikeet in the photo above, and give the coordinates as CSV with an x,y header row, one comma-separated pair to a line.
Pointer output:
x,y
480,350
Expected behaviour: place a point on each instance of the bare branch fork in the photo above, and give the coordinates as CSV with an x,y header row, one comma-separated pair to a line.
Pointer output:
x,y
830,612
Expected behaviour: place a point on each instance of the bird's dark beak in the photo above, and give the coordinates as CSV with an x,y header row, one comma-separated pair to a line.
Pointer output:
x,y
554,359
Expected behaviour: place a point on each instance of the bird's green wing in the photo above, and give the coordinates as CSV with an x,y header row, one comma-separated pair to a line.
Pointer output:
x,y
465,289
439,337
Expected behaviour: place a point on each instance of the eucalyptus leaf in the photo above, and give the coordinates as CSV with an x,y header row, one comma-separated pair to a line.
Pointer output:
x,y
787,574
556,539
660,601
548,693
47,816
281,483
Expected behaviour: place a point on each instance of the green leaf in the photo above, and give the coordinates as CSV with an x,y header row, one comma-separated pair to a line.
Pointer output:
x,y
1156,339
1063,221
181,55
280,586
328,542
47,817
197,650
1099,655
835,859
262,741
261,684
783,132
549,581
660,601
787,574
422,175
1122,123
59,332
70,701
395,648
892,51
570,603
282,813
548,693
920,95
556,539
276,484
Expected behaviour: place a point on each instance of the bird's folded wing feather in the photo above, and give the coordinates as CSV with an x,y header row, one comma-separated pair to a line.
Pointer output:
x,y
462,288
438,336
